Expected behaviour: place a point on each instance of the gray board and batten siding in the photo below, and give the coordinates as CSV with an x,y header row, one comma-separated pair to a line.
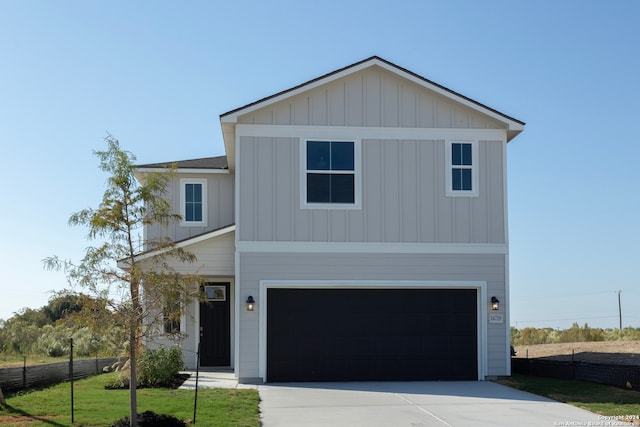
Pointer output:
x,y
373,97
403,196
403,177
344,270
220,205
403,129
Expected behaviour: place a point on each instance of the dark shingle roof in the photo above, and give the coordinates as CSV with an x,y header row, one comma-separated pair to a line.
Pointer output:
x,y
219,162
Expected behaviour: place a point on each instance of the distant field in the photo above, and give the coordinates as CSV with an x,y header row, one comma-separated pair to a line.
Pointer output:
x,y
18,361
616,352
15,361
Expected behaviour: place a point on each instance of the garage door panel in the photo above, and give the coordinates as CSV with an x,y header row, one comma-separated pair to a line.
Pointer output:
x,y
371,334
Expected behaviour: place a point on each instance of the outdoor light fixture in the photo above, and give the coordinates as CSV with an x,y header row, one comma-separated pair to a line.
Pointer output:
x,y
495,304
251,304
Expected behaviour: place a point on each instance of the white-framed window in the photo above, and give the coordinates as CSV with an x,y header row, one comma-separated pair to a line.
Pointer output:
x,y
462,168
193,201
330,174
171,323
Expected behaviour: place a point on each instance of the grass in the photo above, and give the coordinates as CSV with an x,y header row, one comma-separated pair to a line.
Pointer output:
x,y
598,398
14,361
95,406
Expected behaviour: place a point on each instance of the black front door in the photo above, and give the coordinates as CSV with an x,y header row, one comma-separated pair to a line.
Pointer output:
x,y
215,330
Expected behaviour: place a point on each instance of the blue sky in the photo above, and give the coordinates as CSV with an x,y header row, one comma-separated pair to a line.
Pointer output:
x,y
157,74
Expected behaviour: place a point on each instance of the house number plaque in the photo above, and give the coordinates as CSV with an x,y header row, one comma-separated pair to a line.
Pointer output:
x,y
496,318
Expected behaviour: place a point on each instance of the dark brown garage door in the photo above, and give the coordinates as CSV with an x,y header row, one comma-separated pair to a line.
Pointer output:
x,y
371,334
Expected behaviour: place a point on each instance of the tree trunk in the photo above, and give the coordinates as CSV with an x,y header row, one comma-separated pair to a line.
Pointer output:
x,y
133,382
2,401
135,346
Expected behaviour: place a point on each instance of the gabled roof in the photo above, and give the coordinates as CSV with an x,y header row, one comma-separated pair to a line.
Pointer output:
x,y
369,61
219,162
229,119
208,235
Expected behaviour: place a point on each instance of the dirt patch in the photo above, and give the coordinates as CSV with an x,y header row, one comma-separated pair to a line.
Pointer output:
x,y
24,420
614,352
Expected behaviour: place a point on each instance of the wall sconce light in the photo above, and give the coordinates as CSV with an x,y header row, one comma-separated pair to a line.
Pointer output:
x,y
495,304
251,304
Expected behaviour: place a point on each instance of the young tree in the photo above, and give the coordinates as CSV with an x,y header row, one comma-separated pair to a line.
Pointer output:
x,y
137,268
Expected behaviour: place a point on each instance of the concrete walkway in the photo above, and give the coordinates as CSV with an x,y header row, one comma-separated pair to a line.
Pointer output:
x,y
213,379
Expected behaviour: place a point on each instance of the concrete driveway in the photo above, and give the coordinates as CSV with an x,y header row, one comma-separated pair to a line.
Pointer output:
x,y
414,404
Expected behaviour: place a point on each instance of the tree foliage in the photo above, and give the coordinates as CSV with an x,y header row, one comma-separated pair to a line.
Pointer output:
x,y
576,333
46,330
125,262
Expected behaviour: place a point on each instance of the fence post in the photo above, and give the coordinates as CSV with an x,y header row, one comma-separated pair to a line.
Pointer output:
x,y
71,375
195,399
24,373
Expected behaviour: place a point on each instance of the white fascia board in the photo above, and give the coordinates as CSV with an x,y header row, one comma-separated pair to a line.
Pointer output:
x,y
229,138
372,247
512,125
207,236
185,170
288,131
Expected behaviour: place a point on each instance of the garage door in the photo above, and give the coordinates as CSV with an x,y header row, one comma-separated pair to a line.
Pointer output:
x,y
371,334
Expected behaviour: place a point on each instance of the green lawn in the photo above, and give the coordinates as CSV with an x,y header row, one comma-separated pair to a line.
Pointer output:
x,y
95,406
598,398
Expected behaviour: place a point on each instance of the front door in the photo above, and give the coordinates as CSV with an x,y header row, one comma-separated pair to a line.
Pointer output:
x,y
215,330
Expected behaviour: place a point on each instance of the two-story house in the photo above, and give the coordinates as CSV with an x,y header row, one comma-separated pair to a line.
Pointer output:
x,y
355,230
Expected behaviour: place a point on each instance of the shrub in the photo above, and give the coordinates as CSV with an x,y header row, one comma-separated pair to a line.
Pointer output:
x,y
156,368
53,341
85,343
56,350
150,418
159,367
120,382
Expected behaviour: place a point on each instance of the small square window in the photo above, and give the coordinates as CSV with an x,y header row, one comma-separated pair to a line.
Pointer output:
x,y
215,292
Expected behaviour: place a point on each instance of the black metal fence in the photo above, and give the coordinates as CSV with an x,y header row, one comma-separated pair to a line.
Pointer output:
x,y
627,376
26,377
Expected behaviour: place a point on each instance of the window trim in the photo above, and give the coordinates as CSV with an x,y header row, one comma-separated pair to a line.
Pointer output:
x,y
449,167
171,326
183,183
357,176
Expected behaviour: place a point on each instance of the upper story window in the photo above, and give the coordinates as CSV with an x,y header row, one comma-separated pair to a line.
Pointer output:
x,y
193,202
462,169
331,174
